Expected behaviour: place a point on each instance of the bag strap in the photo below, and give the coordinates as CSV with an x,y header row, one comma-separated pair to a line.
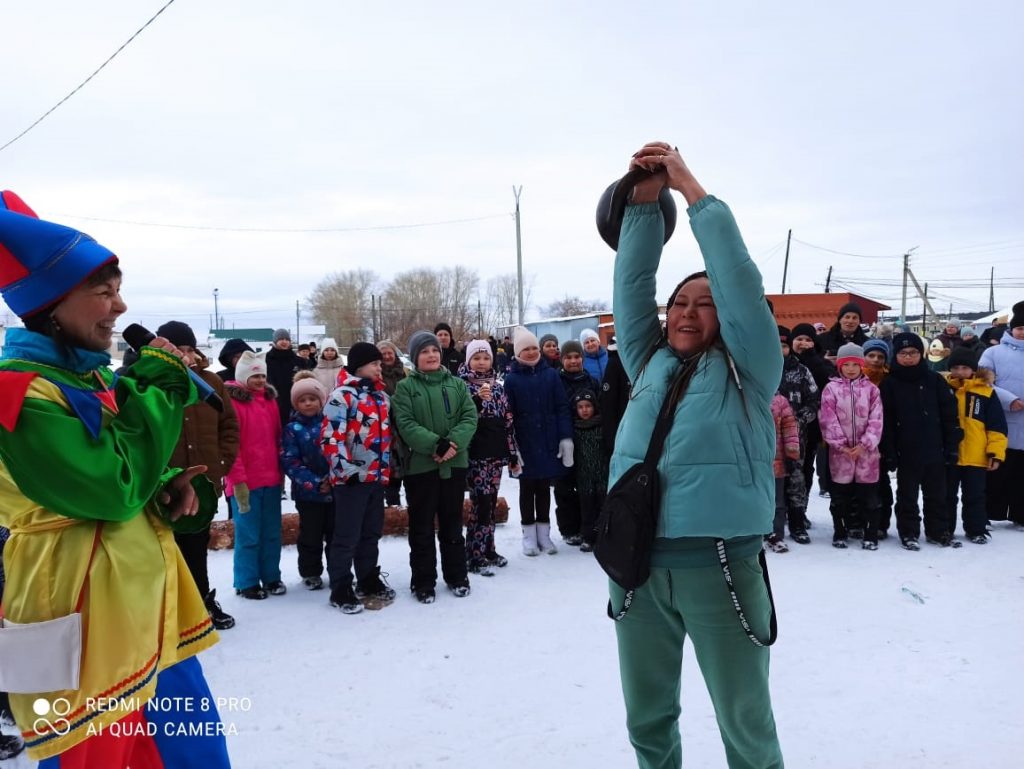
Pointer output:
x,y
666,414
627,601
773,632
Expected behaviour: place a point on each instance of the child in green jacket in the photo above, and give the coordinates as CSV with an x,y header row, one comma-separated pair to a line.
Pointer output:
x,y
437,419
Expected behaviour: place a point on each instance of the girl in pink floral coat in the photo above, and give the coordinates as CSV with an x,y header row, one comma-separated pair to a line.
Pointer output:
x,y
851,424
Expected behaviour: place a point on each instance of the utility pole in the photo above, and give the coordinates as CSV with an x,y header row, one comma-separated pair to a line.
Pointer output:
x,y
992,289
923,292
785,267
216,310
828,280
373,316
480,318
296,322
906,273
924,317
517,191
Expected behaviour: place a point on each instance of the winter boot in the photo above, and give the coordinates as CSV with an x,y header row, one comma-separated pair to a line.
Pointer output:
x,y
530,540
343,597
275,588
221,620
945,539
496,559
544,539
254,593
374,590
313,583
424,594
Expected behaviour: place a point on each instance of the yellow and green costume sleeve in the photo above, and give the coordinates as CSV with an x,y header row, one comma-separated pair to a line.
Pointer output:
x,y
55,460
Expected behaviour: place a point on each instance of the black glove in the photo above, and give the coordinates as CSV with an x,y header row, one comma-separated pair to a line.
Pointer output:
x,y
443,444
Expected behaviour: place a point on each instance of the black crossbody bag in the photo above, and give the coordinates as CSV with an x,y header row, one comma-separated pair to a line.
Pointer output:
x,y
629,520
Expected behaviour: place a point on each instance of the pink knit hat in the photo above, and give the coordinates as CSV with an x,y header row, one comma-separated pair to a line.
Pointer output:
x,y
308,385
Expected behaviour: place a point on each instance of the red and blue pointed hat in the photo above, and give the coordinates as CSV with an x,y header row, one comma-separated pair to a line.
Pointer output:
x,y
40,262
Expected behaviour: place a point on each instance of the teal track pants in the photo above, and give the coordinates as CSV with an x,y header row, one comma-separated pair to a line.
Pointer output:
x,y
674,604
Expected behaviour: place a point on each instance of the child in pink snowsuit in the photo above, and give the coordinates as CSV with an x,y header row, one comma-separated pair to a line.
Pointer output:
x,y
787,449
851,424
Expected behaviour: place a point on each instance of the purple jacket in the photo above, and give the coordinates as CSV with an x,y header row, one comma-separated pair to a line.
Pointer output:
x,y
851,415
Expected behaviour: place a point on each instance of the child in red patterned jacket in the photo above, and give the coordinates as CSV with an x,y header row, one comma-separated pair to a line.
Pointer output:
x,y
356,440
787,447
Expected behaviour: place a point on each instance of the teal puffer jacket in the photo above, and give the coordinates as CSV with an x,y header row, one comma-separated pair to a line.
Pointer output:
x,y
716,466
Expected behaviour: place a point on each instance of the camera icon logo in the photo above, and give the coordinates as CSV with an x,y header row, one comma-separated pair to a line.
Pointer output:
x,y
58,709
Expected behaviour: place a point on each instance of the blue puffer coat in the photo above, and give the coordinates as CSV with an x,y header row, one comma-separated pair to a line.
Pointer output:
x,y
716,466
596,363
541,417
302,458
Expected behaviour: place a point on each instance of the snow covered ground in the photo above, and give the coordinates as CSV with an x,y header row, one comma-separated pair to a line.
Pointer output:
x,y
523,672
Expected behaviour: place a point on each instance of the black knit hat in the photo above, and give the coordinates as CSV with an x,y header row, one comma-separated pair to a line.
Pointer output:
x,y
963,356
850,307
571,346
1018,315
785,335
442,326
803,329
231,348
584,395
178,333
360,354
903,340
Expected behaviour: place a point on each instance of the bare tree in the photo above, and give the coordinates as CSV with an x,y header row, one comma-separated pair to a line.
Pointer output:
x,y
502,300
421,298
459,304
341,302
574,305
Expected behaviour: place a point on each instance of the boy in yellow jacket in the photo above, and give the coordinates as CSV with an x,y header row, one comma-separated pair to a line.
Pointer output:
x,y
984,443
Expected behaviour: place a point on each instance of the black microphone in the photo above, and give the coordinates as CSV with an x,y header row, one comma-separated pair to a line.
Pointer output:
x,y
138,337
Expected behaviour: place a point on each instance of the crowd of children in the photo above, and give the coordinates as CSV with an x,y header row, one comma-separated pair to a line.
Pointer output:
x,y
860,408
952,434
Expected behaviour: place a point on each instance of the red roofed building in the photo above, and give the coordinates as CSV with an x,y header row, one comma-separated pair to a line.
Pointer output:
x,y
791,309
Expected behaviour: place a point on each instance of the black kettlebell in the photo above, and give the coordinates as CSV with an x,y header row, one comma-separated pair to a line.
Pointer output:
x,y
611,208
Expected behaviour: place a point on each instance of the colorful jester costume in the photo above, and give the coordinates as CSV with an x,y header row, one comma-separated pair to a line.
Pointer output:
x,y
83,459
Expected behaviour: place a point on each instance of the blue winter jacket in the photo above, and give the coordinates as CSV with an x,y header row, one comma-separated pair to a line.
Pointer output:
x,y
596,363
541,417
302,459
716,466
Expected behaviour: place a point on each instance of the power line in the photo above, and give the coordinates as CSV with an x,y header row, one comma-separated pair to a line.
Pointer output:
x,y
79,86
291,230
846,253
1000,243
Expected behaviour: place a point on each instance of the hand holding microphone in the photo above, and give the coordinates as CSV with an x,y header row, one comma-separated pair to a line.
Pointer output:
x,y
138,337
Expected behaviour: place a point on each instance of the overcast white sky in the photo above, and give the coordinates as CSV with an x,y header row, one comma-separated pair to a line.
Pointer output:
x,y
868,127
